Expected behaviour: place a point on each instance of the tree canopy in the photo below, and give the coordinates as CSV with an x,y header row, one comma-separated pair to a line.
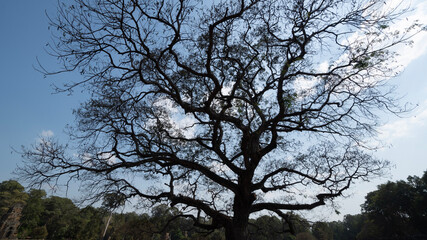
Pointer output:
x,y
223,109
11,192
399,209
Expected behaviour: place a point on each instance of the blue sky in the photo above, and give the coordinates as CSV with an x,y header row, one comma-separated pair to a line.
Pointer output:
x,y
28,108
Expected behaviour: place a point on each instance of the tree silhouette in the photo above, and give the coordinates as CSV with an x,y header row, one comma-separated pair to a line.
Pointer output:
x,y
226,108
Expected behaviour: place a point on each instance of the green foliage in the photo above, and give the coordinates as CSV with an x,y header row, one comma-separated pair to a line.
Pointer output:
x,y
39,232
11,192
322,231
50,218
131,226
272,228
113,200
399,209
299,224
305,236
31,220
61,218
370,230
353,225
90,223
267,228
349,228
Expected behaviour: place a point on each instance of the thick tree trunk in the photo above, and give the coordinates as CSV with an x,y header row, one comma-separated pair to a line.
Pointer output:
x,y
237,231
238,228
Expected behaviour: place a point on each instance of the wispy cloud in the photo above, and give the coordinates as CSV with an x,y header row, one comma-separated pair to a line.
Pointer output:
x,y
408,53
404,127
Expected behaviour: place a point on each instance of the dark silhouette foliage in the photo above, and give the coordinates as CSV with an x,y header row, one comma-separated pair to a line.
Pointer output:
x,y
398,209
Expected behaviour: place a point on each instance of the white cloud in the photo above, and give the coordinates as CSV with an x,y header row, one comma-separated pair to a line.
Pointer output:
x,y
185,125
172,115
220,167
166,104
226,90
323,67
47,133
45,137
304,86
108,157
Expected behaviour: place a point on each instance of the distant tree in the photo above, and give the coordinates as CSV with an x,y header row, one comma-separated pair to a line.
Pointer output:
x,y
61,218
50,218
349,228
322,231
111,202
11,192
337,230
39,232
90,221
267,228
32,225
398,208
132,226
353,224
221,105
297,224
163,215
369,231
418,209
305,236
388,208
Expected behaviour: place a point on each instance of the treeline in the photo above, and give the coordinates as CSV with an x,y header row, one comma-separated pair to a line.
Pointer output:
x,y
396,210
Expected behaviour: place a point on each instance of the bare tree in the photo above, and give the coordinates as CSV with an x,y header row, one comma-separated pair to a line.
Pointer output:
x,y
226,108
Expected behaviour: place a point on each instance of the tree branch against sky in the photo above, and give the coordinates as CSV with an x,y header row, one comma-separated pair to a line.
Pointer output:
x,y
224,109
